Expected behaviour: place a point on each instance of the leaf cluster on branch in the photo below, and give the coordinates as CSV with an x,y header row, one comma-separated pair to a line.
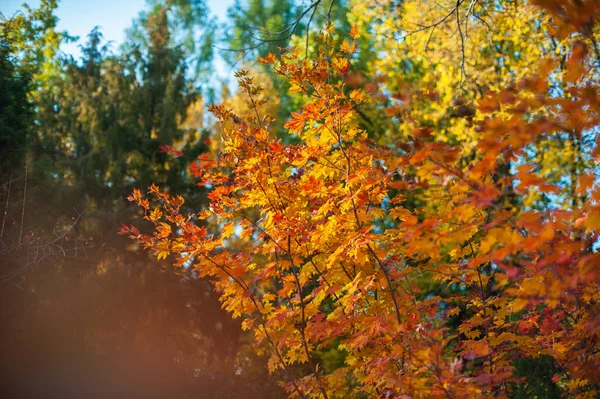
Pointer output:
x,y
433,268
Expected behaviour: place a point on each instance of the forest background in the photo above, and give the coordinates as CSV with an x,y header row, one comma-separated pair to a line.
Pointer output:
x,y
399,200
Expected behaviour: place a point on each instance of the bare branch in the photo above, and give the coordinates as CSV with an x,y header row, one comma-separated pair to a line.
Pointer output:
x,y
288,31
23,208
462,44
6,206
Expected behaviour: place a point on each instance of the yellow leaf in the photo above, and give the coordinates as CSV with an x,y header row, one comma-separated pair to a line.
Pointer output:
x,y
519,304
163,249
155,215
227,230
592,222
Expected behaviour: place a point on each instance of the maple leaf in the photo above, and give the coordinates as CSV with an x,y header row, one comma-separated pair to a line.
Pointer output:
x,y
269,59
296,124
170,150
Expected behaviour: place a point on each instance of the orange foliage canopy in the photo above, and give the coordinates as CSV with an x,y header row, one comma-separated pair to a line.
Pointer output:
x,y
316,244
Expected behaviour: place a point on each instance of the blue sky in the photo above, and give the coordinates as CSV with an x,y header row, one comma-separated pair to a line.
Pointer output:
x,y
78,17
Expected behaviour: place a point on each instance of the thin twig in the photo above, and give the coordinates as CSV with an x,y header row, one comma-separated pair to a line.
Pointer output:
x,y
462,44
23,208
329,11
6,206
308,29
288,31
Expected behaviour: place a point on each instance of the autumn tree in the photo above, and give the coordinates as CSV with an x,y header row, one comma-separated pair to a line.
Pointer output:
x,y
436,265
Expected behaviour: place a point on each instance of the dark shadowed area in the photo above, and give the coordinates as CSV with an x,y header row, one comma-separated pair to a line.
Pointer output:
x,y
116,325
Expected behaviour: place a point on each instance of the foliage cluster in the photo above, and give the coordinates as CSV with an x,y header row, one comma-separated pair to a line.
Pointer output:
x,y
439,237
